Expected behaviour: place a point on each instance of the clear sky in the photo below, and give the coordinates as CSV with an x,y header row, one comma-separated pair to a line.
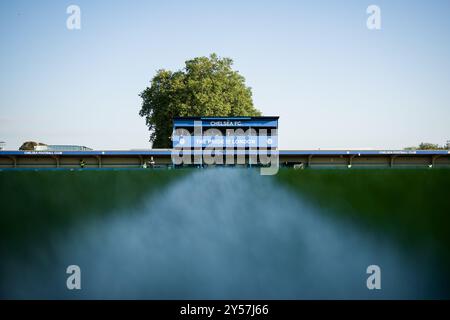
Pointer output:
x,y
333,82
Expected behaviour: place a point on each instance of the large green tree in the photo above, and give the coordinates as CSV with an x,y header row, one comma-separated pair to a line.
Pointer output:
x,y
207,86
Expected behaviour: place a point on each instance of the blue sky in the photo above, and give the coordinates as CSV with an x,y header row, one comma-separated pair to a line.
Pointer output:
x,y
333,82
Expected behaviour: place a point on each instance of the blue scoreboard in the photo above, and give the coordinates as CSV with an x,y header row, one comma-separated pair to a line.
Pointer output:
x,y
225,132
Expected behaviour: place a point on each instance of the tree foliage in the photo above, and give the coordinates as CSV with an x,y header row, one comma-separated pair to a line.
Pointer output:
x,y
427,146
207,86
30,145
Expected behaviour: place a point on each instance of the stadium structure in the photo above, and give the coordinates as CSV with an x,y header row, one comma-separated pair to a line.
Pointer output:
x,y
227,136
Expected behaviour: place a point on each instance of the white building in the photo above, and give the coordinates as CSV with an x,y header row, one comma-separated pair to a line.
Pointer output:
x,y
61,147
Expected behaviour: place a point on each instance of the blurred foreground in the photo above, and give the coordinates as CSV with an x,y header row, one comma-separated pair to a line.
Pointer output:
x,y
223,234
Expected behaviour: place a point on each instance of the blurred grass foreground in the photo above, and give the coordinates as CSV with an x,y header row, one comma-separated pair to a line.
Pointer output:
x,y
413,204
35,203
